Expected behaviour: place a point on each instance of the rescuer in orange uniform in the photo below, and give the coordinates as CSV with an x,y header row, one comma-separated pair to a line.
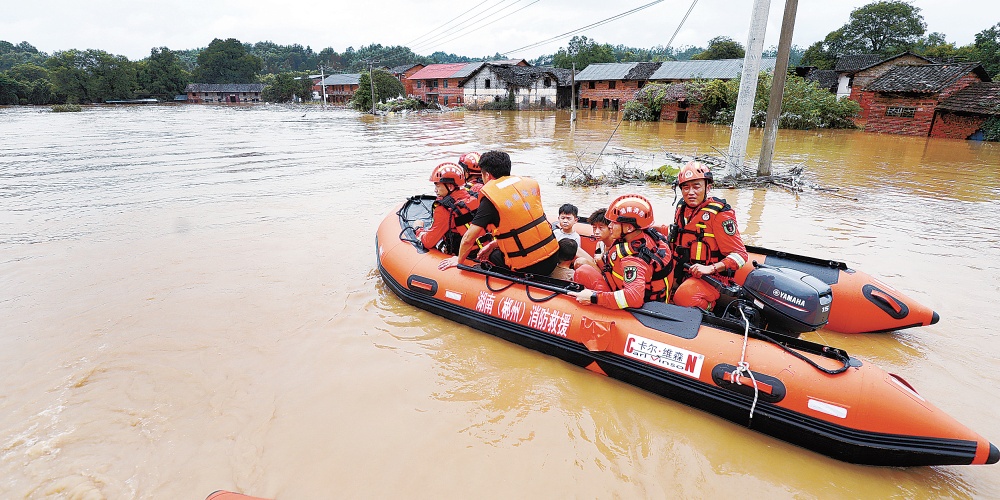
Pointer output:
x,y
637,266
513,205
704,237
453,210
473,174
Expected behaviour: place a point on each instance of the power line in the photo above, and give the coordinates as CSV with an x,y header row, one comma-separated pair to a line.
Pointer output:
x,y
589,26
477,18
491,21
445,23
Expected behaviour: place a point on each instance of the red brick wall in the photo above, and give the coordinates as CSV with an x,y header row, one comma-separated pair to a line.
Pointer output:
x,y
955,126
405,78
669,112
919,125
624,91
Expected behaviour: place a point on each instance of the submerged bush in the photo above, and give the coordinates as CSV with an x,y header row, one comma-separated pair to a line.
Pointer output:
x,y
66,108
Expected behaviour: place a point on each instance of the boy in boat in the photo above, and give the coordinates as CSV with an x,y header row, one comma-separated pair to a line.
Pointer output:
x,y
473,175
453,210
604,237
513,205
637,267
568,215
705,239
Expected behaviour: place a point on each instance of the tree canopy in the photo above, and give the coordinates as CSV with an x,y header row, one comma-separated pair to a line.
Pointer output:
x,y
884,27
91,76
988,47
721,47
386,87
162,74
584,52
227,61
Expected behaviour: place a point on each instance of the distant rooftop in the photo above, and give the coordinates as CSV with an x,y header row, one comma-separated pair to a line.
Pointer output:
x,y
342,79
707,69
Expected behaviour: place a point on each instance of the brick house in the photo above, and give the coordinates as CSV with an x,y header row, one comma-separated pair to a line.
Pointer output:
x,y
340,88
403,73
532,87
611,85
866,69
961,115
227,93
904,100
677,108
442,83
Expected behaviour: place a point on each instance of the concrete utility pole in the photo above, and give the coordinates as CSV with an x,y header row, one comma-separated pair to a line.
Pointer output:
x,y
748,88
322,84
777,88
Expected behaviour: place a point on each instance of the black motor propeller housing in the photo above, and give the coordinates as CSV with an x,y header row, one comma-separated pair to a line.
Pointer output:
x,y
791,301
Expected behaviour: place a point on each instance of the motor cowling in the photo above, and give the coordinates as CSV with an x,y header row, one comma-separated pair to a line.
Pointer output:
x,y
791,301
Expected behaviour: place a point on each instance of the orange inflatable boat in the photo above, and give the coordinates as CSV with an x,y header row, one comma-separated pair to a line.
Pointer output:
x,y
861,303
808,394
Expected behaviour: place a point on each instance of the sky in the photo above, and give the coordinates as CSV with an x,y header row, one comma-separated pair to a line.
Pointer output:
x,y
131,28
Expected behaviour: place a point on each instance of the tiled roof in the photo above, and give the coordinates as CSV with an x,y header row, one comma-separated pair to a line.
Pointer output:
x,y
981,98
565,76
402,68
855,62
710,69
642,71
605,71
930,78
825,78
342,79
438,71
526,76
467,70
224,87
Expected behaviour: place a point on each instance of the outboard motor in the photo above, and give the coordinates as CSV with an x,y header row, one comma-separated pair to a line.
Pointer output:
x,y
791,301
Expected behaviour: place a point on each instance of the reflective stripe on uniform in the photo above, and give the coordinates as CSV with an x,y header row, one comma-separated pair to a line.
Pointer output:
x,y
620,299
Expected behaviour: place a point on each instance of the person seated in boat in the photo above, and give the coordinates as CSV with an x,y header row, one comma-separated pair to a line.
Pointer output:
x,y
513,205
578,268
705,239
568,215
473,174
600,225
453,210
637,266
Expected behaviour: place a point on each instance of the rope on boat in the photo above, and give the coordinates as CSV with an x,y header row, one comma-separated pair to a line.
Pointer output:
x,y
744,367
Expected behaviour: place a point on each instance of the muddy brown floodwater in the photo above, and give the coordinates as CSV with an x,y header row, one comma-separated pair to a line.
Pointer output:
x,y
189,302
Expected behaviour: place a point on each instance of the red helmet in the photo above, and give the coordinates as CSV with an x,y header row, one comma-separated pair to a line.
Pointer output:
x,y
631,209
470,162
693,171
448,173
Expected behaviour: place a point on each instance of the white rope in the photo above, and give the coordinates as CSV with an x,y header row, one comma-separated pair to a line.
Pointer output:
x,y
743,366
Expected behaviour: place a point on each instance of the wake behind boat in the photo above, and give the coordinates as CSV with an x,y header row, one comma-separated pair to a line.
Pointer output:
x,y
808,394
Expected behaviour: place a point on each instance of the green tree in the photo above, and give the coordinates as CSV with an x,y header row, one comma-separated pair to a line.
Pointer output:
x,y
386,87
988,47
28,72
721,47
162,74
884,27
23,53
9,90
823,54
584,52
227,61
91,76
281,87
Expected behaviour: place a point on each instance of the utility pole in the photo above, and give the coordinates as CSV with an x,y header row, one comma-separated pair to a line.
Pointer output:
x,y
748,88
572,94
322,84
371,80
777,88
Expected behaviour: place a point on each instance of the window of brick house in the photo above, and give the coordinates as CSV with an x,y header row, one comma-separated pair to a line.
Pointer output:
x,y
591,85
900,111
611,85
605,103
642,83
487,83
446,85
446,97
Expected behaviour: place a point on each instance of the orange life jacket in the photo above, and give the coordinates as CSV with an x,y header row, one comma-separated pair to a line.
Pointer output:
x,y
693,244
462,207
652,249
524,234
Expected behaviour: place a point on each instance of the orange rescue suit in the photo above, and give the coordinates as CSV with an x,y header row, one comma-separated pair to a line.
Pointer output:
x,y
637,272
452,215
524,235
706,234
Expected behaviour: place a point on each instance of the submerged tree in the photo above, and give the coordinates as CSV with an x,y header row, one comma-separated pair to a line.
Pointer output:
x,y
386,87
162,74
227,61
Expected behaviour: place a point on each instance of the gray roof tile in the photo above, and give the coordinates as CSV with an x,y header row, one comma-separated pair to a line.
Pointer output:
x,y
342,79
929,78
224,87
709,70
980,98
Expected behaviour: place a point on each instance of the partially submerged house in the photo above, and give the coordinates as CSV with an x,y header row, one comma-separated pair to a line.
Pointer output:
x,y
962,115
611,85
905,99
442,83
403,73
855,72
530,87
228,93
340,88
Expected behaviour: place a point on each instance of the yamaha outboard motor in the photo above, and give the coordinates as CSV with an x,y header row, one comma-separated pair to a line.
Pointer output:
x,y
791,301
